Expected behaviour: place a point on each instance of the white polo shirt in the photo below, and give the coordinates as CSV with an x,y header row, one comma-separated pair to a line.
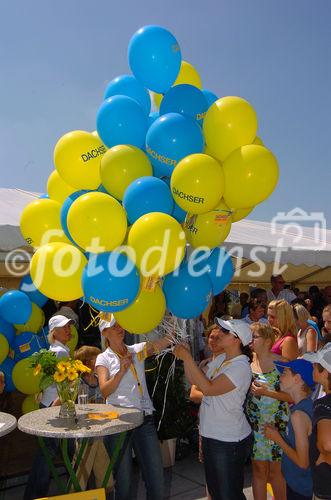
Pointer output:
x,y
50,394
127,393
222,417
284,294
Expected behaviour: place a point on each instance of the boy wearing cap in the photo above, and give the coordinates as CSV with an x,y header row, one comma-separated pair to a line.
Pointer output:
x,y
320,441
297,380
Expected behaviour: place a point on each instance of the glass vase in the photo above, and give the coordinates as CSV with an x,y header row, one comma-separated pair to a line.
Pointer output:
x,y
67,392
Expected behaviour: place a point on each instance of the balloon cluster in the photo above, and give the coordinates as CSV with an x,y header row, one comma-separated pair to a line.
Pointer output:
x,y
22,333
130,205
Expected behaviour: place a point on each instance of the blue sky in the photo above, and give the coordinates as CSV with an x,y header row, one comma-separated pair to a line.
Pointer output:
x,y
58,55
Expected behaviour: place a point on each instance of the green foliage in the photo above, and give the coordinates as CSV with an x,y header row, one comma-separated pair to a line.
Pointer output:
x,y
44,362
177,419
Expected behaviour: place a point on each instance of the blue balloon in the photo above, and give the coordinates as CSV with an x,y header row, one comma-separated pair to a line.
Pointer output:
x,y
219,267
169,139
147,194
178,213
186,100
152,117
42,338
110,281
210,97
154,57
7,330
44,195
122,120
65,209
26,344
187,296
7,368
15,307
129,85
27,286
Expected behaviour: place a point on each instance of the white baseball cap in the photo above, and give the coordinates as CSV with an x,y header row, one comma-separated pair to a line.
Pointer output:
x,y
323,357
238,327
107,324
58,320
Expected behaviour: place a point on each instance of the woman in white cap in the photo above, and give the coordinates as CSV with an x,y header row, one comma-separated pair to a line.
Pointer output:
x,y
58,337
226,433
39,478
122,382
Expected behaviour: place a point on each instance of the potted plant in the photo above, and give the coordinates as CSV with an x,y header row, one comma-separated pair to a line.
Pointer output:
x,y
65,373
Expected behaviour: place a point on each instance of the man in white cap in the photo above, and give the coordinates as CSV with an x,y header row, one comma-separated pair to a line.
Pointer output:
x,y
320,441
39,478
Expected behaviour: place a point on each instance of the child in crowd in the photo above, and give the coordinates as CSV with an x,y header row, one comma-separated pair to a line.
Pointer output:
x,y
89,382
320,442
297,380
96,457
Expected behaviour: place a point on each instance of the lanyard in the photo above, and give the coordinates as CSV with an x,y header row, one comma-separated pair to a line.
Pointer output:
x,y
134,373
216,370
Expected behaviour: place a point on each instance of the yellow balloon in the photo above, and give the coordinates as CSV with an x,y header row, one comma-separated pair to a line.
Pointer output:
x,y
24,379
4,348
229,123
209,229
56,270
40,222
241,213
34,323
120,166
97,216
72,344
77,157
159,243
145,313
251,174
30,403
197,183
57,189
258,141
187,74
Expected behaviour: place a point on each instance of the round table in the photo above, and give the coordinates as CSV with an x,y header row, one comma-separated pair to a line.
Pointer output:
x,y
7,423
46,423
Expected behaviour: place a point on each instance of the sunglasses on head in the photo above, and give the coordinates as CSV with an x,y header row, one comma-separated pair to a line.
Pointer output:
x,y
226,332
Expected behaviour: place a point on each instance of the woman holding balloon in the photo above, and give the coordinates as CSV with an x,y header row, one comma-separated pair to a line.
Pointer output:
x,y
226,433
122,382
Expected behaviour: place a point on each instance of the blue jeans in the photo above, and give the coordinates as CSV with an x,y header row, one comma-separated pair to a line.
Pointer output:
x,y
144,441
224,467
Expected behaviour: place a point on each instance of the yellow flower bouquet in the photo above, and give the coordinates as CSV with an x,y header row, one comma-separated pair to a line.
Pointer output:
x,y
65,373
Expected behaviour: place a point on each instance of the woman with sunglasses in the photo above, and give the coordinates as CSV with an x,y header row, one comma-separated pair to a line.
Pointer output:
x,y
121,374
269,407
226,433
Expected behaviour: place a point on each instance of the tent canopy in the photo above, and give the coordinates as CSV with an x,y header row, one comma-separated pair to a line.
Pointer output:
x,y
305,252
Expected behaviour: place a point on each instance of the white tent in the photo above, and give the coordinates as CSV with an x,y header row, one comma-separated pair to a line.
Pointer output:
x,y
306,251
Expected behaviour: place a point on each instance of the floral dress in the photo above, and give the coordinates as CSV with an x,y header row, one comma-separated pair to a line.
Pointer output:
x,y
261,410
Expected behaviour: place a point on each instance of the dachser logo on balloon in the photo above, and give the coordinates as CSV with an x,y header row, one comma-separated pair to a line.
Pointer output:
x,y
94,153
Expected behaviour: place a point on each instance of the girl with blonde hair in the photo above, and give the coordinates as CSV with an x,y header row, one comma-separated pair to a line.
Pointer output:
x,y
280,315
266,404
307,335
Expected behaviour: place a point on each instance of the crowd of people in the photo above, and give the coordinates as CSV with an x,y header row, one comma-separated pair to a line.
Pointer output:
x,y
288,401
264,390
